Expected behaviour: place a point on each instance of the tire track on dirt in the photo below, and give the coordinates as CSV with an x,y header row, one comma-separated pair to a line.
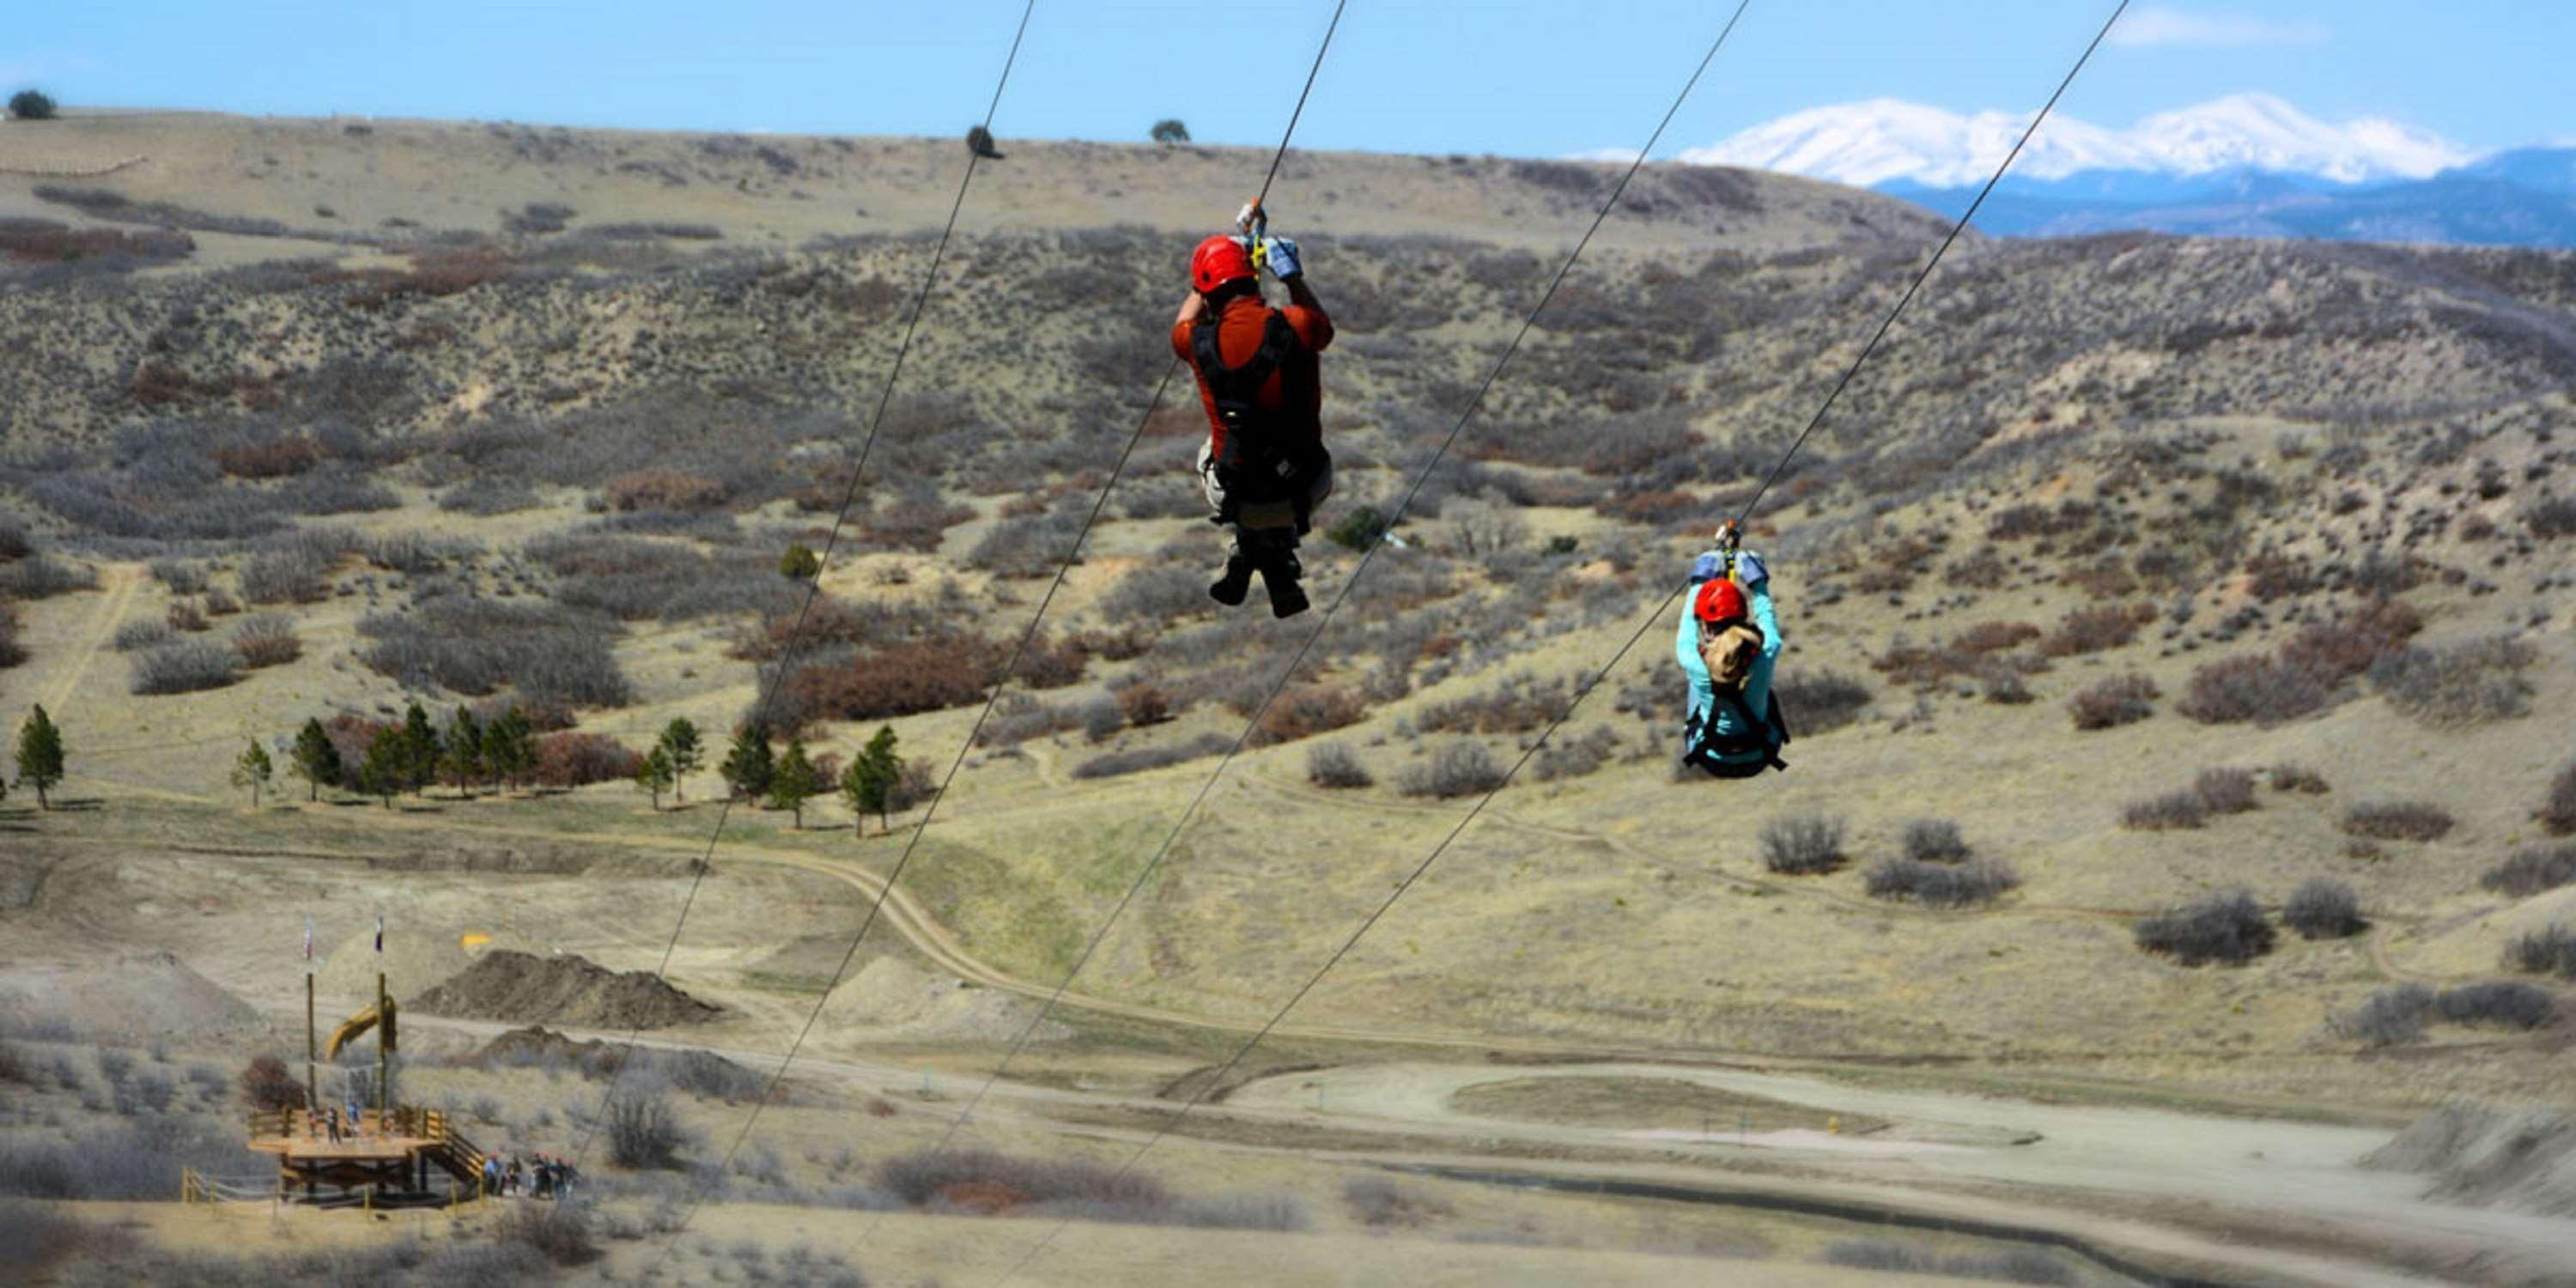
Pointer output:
x,y
120,581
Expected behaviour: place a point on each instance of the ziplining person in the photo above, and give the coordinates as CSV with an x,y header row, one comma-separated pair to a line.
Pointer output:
x,y
1264,466
1728,643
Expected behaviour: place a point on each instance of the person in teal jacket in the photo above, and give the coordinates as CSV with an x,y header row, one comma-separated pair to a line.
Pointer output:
x,y
1728,643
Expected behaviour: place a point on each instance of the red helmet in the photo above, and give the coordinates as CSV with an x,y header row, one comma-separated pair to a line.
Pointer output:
x,y
1718,601
1217,261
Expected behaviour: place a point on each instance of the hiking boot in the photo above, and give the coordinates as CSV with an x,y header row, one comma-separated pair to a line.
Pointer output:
x,y
1287,598
1231,588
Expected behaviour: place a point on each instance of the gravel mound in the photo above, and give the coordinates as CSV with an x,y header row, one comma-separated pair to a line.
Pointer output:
x,y
700,1073
130,999
416,959
526,989
894,1001
2520,1161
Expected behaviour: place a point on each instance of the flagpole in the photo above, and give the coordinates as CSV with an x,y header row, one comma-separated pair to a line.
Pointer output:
x,y
384,1029
312,1078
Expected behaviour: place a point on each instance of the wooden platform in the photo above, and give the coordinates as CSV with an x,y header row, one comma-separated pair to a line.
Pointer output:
x,y
390,1152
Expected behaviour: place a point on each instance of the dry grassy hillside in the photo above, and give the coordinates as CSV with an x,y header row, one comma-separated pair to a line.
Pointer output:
x,y
2179,631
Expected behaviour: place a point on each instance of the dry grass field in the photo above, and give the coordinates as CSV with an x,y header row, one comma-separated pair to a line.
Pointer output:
x,y
2134,574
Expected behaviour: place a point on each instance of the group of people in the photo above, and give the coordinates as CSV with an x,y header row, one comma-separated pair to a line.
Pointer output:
x,y
537,1176
337,1122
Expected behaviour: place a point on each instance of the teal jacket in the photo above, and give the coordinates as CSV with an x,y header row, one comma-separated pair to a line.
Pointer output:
x,y
1722,720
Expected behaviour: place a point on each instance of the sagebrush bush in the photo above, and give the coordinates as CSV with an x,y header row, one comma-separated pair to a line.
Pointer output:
x,y
1935,840
1157,593
1459,767
2226,791
1379,1203
2168,812
2009,1265
2323,908
2225,928
2551,517
141,635
471,646
2459,684
267,639
2289,777
1333,764
11,652
2504,1003
2398,821
1519,704
285,577
2557,812
1305,710
2120,700
1821,702
1568,756
2095,630
643,1130
2336,651
1144,758
1803,844
189,666
2390,1017
42,577
184,615
2258,689
2533,870
2548,951
1941,885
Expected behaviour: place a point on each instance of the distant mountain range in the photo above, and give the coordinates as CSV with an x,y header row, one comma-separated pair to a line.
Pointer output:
x,y
2245,166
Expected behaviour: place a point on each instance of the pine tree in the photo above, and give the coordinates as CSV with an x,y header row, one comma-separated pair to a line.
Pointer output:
x,y
654,775
420,750
462,762
869,782
509,748
315,759
387,768
253,770
40,756
749,766
680,744
800,563
795,781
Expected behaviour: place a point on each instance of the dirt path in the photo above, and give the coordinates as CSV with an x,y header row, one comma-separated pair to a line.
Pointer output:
x,y
117,582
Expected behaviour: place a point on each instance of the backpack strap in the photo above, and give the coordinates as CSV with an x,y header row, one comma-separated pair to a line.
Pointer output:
x,y
1257,461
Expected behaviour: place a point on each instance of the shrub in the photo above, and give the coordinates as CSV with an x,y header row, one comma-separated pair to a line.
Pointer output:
x,y
31,105
2322,908
2288,777
579,759
1459,767
267,639
2225,791
487,497
2169,812
546,653
184,615
1380,1203
1941,885
1158,593
189,666
1144,758
2505,1003
671,490
1145,703
990,1183
1802,844
2557,812
180,577
2551,517
266,1084
141,635
1169,130
2398,821
932,673
1935,840
1572,757
2550,951
285,577
2256,688
16,544
1360,529
2336,651
1052,662
2460,684
2095,630
2120,700
558,1232
2222,928
11,654
1333,764
643,1131
1820,703
1306,710
2532,871
43,576
2390,1017
2012,1265
220,603
1517,705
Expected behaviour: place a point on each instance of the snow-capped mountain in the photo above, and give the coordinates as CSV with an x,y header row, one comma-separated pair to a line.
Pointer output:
x,y
1886,140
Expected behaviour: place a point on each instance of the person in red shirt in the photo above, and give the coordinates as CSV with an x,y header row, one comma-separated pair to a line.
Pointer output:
x,y
1264,465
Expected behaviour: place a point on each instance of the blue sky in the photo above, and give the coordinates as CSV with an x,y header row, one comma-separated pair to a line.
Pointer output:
x,y
1517,77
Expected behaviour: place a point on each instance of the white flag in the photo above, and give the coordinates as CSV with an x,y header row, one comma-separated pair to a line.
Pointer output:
x,y
308,936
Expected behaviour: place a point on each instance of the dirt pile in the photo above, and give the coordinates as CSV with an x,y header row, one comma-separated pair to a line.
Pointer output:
x,y
130,999
524,988
2522,1161
700,1073
894,1001
415,960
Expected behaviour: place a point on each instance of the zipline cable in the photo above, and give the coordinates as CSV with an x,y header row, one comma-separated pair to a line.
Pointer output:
x,y
814,586
1063,570
1218,1077
1341,596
